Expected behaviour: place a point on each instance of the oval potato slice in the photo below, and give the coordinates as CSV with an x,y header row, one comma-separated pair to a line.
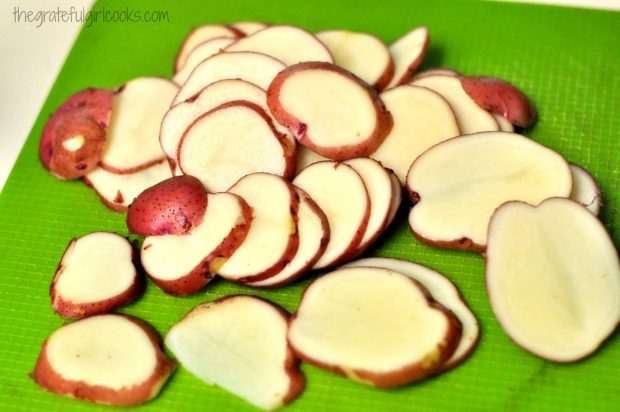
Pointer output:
x,y
585,189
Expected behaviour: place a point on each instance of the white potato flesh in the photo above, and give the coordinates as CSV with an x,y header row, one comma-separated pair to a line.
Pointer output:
x,y
221,147
288,44
470,117
96,267
198,54
422,118
340,192
171,257
553,278
249,27
397,197
306,157
256,68
463,180
337,110
406,51
443,291
437,70
106,350
267,242
137,111
247,361
368,319
503,123
362,54
200,35
585,189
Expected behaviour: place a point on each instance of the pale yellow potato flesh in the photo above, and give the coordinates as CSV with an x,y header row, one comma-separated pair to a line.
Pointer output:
x,y
553,278
200,53
198,36
585,189
405,51
306,157
503,123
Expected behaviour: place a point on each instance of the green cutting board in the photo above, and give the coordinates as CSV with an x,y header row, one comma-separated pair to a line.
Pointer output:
x,y
566,59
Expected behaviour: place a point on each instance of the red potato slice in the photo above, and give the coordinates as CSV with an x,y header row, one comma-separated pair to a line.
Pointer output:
x,y
422,118
470,117
397,198
184,264
110,359
248,27
456,185
201,52
329,110
253,362
117,191
256,68
407,53
445,71
341,194
443,291
231,141
200,35
288,44
313,230
500,97
362,54
273,238
585,189
503,123
174,206
374,326
306,157
138,109
553,278
95,275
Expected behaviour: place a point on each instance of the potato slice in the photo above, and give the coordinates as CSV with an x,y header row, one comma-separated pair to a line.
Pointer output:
x,y
110,359
503,123
374,326
233,140
248,27
95,275
457,184
470,117
201,52
288,44
362,54
253,362
184,264
137,111
444,292
340,192
553,278
585,189
200,35
256,68
408,53
306,157
397,198
446,71
422,118
329,110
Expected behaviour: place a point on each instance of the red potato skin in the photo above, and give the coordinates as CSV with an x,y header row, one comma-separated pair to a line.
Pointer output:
x,y
385,78
501,97
205,271
174,206
46,377
415,63
178,64
303,131
69,309
117,207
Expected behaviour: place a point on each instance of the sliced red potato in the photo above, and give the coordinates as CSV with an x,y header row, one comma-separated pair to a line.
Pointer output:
x,y
422,118
313,230
375,326
110,359
503,123
184,264
231,141
95,275
553,278
470,117
137,111
253,362
362,54
500,97
306,157
444,292
288,44
329,110
117,191
437,70
256,68
397,197
248,27
273,238
174,206
201,52
585,189
341,194
407,53
200,35
456,185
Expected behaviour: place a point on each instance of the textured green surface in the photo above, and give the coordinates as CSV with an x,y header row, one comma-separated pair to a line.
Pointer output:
x,y
567,60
